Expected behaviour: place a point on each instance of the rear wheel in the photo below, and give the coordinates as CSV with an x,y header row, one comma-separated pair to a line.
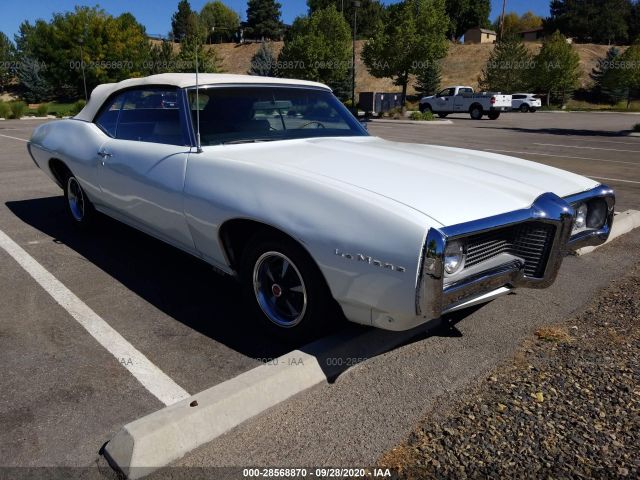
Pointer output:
x,y
443,115
476,112
78,206
524,108
494,115
284,289
425,107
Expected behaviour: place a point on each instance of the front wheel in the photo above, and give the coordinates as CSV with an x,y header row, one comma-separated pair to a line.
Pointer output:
x,y
284,289
443,115
494,115
78,206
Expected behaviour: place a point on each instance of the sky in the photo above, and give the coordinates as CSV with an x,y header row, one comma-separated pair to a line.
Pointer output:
x,y
155,15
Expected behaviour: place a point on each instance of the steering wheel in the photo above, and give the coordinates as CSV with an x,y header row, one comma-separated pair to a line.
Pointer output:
x,y
320,124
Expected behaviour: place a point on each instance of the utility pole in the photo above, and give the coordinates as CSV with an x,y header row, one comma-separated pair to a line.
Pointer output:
x,y
504,4
84,78
356,5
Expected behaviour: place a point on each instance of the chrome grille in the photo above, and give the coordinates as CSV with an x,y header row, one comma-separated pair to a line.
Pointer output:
x,y
530,241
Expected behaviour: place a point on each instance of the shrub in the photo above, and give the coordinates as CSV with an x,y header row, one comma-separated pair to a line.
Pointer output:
x,y
4,110
636,127
42,110
17,109
79,105
422,116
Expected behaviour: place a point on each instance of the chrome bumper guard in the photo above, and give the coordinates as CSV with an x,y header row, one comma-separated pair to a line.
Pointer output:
x,y
433,297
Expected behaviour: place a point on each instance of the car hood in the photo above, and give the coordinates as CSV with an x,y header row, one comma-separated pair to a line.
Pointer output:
x,y
450,185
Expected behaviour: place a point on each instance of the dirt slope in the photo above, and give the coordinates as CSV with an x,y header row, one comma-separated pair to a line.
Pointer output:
x,y
462,66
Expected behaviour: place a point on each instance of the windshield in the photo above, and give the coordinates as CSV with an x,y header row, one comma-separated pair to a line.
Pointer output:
x,y
255,113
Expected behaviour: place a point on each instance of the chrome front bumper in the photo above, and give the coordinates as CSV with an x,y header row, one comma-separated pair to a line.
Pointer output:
x,y
433,297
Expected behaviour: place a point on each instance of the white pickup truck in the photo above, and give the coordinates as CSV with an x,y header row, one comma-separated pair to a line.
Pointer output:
x,y
464,99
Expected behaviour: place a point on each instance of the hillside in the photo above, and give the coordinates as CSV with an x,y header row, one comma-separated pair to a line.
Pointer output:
x,y
462,66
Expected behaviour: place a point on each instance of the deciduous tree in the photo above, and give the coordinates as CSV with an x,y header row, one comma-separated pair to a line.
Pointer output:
x,y
109,48
318,48
7,61
370,14
412,38
220,22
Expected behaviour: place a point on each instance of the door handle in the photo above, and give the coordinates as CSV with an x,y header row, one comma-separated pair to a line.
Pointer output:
x,y
104,156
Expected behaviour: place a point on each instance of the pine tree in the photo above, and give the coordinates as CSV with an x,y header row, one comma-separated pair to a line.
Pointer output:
x,y
428,79
263,19
263,62
508,68
604,85
557,67
181,20
36,87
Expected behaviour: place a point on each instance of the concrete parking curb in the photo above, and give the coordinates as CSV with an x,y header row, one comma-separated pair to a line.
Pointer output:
x,y
162,437
622,223
412,122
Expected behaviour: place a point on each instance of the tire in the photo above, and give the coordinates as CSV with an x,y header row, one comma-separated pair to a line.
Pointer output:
x,y
294,307
422,107
443,115
533,110
79,208
476,112
493,115
425,108
524,108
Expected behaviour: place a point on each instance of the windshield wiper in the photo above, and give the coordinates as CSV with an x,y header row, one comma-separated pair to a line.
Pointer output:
x,y
248,140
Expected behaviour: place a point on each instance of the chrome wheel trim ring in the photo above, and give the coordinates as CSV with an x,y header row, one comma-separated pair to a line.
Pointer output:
x,y
274,272
75,198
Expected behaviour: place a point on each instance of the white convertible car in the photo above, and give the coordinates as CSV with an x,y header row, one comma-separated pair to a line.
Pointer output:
x,y
288,192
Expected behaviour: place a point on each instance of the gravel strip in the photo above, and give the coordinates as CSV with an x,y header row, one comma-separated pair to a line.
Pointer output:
x,y
567,406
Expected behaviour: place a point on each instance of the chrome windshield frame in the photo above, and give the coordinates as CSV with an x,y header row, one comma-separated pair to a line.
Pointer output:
x,y
433,297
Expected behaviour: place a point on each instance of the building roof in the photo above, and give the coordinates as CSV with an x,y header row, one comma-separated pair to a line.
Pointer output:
x,y
482,30
181,80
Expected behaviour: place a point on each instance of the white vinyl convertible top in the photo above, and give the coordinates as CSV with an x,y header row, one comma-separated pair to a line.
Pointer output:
x,y
181,80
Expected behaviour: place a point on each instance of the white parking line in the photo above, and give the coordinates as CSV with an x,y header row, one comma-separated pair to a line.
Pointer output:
x,y
149,375
614,179
14,138
561,156
586,148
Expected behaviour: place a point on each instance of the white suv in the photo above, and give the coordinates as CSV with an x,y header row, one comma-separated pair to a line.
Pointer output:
x,y
525,102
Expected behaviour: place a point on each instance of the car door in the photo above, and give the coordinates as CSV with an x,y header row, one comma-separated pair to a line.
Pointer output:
x,y
458,100
443,100
142,166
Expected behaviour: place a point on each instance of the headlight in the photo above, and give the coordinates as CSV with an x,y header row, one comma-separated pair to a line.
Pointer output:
x,y
453,257
581,216
597,215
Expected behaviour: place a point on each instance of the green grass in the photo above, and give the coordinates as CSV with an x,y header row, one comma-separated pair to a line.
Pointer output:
x,y
582,106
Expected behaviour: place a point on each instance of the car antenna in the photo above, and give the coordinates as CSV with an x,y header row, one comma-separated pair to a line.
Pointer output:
x,y
198,144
